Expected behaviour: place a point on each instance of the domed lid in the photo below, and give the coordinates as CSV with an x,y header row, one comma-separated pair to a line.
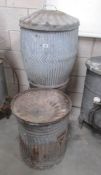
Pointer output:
x,y
49,20
41,106
94,64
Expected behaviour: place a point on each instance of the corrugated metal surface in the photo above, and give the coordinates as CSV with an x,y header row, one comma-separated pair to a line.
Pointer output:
x,y
49,20
43,146
43,126
49,56
90,112
94,64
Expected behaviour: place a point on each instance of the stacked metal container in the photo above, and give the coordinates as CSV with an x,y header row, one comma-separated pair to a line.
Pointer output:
x,y
43,120
49,45
91,102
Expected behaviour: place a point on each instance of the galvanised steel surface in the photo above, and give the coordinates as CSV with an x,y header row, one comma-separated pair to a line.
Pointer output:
x,y
49,56
3,87
43,118
43,146
90,112
63,88
49,20
49,47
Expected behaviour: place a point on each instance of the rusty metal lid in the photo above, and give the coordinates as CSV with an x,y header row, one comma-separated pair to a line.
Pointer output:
x,y
49,20
41,106
94,64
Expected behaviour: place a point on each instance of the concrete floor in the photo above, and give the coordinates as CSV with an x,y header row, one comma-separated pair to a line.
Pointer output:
x,y
83,156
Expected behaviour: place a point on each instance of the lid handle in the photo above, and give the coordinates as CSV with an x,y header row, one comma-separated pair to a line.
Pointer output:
x,y
47,6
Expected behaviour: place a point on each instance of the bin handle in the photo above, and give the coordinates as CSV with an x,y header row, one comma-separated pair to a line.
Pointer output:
x,y
91,115
49,5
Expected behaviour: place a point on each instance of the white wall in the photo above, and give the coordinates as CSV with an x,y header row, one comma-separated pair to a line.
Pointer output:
x,y
88,12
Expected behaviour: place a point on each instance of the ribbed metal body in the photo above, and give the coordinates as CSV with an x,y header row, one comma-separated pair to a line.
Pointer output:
x,y
3,87
43,146
92,89
43,119
49,56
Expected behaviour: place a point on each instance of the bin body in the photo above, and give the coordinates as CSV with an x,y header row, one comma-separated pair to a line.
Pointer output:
x,y
49,56
90,112
49,41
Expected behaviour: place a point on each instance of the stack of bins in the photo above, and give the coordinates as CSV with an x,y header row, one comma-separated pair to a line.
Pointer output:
x,y
49,46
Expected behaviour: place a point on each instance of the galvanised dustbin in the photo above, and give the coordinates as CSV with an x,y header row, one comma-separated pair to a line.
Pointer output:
x,y
49,40
91,102
43,118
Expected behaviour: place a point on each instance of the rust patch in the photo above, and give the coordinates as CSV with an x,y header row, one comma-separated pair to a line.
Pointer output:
x,y
35,154
43,154
24,148
61,138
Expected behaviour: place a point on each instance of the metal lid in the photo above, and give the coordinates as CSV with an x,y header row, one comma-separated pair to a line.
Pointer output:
x,y
49,20
94,64
41,106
